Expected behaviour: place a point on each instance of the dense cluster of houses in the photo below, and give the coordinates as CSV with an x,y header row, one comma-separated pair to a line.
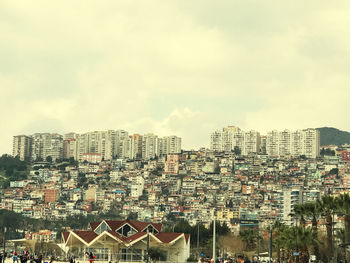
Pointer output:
x,y
195,185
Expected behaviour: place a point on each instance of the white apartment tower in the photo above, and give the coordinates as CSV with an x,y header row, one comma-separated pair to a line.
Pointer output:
x,y
291,197
169,144
150,146
231,137
47,144
110,144
301,142
22,147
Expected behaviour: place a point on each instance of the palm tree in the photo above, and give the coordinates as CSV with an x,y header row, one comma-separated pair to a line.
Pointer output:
x,y
307,238
328,206
299,211
281,238
313,210
343,206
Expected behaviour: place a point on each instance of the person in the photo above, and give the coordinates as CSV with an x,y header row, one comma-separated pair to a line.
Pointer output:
x,y
23,258
91,257
15,257
240,259
72,259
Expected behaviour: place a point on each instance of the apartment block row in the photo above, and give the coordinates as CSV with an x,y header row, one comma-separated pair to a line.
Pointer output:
x,y
103,145
275,143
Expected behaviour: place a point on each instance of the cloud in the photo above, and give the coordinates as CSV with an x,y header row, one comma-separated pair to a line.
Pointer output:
x,y
172,67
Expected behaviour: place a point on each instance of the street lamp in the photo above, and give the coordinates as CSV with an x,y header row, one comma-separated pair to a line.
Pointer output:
x,y
4,256
270,252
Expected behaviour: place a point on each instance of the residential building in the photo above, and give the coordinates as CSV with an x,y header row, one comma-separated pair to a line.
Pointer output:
x,y
22,147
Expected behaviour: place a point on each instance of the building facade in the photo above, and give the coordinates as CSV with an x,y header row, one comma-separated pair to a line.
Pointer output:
x,y
126,241
22,147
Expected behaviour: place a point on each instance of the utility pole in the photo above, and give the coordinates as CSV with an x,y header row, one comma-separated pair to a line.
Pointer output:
x,y
270,244
198,239
4,256
147,256
214,239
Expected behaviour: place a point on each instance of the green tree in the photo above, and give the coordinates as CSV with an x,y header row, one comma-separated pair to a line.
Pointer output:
x,y
249,237
343,206
313,210
299,211
328,207
307,238
156,253
237,150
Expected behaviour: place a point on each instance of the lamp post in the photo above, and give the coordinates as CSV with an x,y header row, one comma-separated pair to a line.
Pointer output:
x,y
214,239
4,255
147,256
198,240
270,251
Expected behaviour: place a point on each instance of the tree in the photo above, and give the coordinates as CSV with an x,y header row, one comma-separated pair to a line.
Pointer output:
x,y
81,179
156,253
328,205
12,168
49,159
231,243
307,238
249,237
299,211
132,216
237,150
334,171
343,206
313,210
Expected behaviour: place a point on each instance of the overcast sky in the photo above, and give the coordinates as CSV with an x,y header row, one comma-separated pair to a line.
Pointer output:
x,y
184,67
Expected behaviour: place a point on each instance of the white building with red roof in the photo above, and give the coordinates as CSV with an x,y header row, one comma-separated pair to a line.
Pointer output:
x,y
126,241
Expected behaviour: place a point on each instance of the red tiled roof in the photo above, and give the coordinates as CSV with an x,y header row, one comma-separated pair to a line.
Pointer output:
x,y
65,236
139,226
93,225
115,234
115,224
187,237
135,236
167,237
87,236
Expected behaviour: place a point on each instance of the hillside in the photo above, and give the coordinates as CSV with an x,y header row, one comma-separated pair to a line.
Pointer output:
x,y
330,135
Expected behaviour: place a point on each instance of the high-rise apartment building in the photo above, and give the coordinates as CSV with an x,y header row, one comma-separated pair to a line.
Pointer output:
x,y
301,142
22,147
47,144
150,146
70,147
275,143
107,144
138,145
169,144
231,137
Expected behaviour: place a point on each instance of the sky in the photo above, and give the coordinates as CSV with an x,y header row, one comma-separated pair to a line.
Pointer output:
x,y
172,67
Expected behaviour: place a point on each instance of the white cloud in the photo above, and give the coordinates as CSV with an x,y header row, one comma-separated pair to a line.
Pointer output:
x,y
172,67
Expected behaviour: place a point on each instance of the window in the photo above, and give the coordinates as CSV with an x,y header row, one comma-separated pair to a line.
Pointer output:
x,y
126,230
102,227
131,254
151,229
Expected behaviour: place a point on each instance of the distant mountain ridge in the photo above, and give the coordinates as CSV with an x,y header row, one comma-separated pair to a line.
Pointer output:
x,y
329,135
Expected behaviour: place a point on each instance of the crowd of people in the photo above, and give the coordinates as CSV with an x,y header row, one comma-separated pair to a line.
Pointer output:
x,y
23,257
238,259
